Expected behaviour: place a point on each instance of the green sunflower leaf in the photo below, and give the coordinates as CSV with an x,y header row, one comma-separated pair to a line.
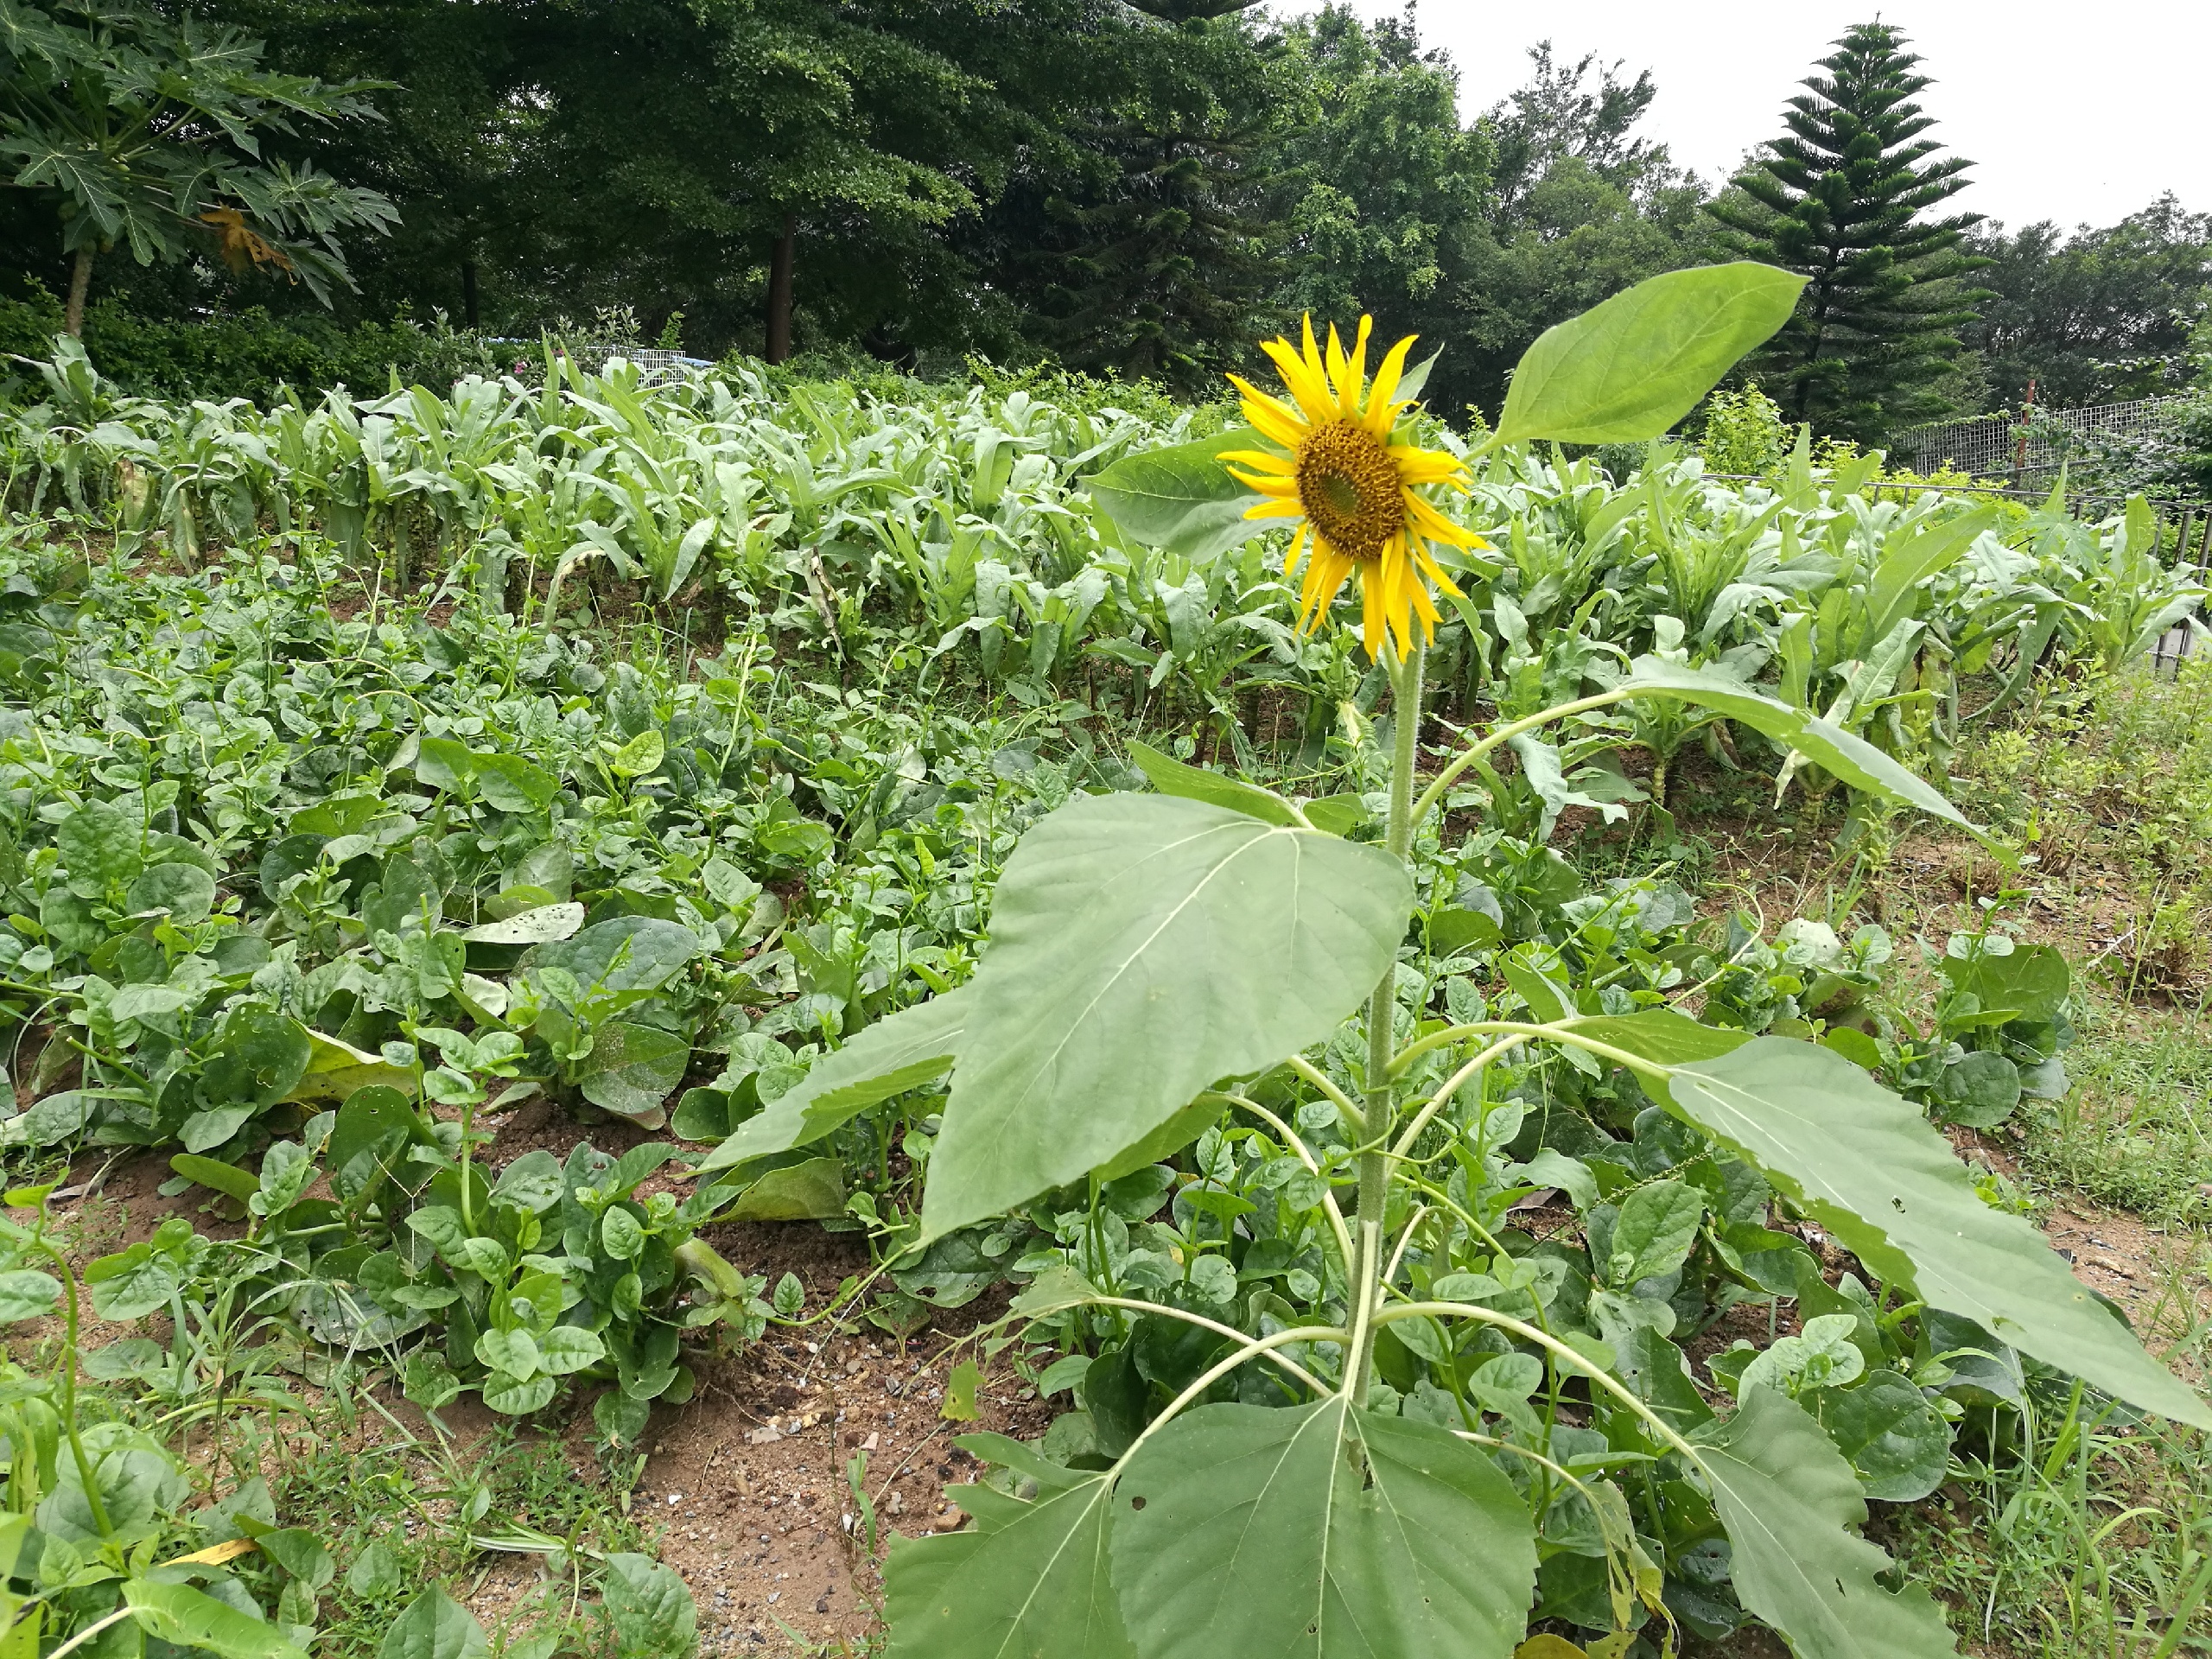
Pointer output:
x,y
1630,368
1143,947
1867,1166
1181,497
1029,1578
1790,1503
1320,1531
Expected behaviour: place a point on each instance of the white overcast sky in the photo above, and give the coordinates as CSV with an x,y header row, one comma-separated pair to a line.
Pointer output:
x,y
2081,112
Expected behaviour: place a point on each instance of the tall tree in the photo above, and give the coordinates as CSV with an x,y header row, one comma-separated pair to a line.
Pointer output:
x,y
1584,207
1580,113
1135,243
1381,195
1844,197
149,132
710,156
2098,316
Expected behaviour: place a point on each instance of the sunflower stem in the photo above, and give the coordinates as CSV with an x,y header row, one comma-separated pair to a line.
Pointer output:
x,y
1381,1026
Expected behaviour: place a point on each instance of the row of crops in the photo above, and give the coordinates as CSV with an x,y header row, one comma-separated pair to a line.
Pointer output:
x,y
374,764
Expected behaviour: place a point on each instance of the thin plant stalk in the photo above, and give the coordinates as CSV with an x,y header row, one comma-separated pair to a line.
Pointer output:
x,y
1381,1024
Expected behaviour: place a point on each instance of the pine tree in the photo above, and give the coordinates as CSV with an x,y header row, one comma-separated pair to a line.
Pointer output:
x,y
1842,198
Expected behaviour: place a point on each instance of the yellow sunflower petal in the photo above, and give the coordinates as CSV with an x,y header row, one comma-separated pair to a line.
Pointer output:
x,y
1259,462
1382,405
1424,466
1434,525
1270,415
1372,633
1325,572
1355,380
1303,380
1312,353
1433,571
1283,489
1297,546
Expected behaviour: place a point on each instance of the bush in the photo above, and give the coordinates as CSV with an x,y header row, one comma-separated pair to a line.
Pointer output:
x,y
1744,435
250,353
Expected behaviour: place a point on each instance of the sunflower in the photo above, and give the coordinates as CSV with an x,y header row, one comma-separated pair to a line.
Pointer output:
x,y
1351,489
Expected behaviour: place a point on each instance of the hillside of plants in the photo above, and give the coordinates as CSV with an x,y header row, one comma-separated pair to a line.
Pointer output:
x,y
1071,830
587,913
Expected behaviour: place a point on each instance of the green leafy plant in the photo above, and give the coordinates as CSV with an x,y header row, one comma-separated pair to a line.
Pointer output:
x,y
94,1534
149,133
1157,961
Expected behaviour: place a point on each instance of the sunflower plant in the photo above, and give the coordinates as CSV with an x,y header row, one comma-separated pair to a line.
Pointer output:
x,y
1160,960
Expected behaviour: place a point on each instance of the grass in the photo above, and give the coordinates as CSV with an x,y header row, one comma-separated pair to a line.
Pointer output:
x,y
400,1513
2081,1540
2136,1132
2092,1535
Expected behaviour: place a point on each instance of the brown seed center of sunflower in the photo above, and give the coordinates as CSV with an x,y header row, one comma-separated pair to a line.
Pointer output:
x,y
1349,487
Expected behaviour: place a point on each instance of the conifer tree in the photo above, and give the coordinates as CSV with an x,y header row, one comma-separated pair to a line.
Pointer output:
x,y
1844,197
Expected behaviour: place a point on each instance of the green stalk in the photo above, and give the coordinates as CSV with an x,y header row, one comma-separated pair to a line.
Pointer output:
x,y
1382,1021
69,1386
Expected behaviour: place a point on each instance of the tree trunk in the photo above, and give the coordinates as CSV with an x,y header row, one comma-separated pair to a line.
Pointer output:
x,y
779,291
80,283
468,292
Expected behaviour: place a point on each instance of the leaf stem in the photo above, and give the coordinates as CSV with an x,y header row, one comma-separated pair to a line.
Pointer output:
x,y
1313,1074
1254,1346
69,1381
1474,751
1452,1086
1558,1350
1305,1156
1229,1330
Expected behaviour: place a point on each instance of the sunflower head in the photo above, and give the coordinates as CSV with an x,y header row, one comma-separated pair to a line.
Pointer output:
x,y
1353,494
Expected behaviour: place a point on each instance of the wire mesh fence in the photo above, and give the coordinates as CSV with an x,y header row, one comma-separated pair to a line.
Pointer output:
x,y
1996,443
654,363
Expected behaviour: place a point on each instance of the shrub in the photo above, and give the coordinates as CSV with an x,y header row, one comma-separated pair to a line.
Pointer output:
x,y
250,353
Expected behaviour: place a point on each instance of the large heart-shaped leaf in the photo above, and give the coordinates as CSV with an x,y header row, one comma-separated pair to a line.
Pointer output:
x,y
1789,1501
1181,497
1321,1531
1893,1437
1142,947
620,960
1029,1579
899,1053
1867,1166
1629,369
